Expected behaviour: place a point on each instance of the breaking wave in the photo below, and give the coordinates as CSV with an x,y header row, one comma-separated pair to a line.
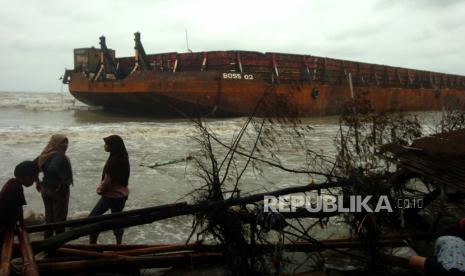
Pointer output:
x,y
41,101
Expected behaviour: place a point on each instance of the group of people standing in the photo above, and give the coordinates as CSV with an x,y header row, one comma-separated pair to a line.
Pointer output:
x,y
58,178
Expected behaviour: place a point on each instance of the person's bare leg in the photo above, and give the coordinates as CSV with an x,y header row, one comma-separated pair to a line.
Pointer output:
x,y
417,263
119,238
48,204
93,238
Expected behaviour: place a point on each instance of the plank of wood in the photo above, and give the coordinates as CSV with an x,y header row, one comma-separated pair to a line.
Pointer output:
x,y
7,252
29,263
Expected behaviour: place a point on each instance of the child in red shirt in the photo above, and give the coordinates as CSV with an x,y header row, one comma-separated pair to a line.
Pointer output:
x,y
12,194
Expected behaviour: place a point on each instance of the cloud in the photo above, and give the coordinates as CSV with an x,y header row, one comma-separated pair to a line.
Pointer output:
x,y
357,32
39,36
421,36
418,5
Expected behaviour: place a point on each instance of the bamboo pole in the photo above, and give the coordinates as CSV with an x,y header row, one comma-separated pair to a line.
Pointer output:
x,y
51,259
160,249
124,247
109,247
7,252
213,256
89,220
86,253
30,266
180,259
293,247
133,252
297,247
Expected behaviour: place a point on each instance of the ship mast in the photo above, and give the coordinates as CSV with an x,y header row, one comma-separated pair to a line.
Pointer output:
x,y
187,42
141,61
106,63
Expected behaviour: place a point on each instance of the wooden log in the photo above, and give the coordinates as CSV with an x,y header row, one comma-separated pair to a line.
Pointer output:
x,y
86,254
207,247
389,241
89,220
134,252
53,259
160,249
29,264
177,260
294,247
105,264
110,247
308,247
174,211
7,252
399,237
386,241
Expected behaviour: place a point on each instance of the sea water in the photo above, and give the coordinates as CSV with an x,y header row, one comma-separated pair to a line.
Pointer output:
x,y
27,120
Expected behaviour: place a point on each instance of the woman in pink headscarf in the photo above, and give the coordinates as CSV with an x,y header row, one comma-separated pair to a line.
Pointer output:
x,y
58,176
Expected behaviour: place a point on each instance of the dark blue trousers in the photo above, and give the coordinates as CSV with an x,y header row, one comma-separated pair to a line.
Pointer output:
x,y
116,205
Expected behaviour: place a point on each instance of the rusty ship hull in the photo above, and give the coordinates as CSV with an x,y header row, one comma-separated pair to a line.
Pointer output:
x,y
241,83
168,95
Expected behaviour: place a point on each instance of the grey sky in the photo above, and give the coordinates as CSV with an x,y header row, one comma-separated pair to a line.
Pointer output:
x,y
37,37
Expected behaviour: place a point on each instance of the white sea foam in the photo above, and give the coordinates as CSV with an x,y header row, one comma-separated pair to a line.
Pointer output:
x,y
27,120
41,101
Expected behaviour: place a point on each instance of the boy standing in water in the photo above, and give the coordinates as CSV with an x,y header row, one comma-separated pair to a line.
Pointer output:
x,y
12,194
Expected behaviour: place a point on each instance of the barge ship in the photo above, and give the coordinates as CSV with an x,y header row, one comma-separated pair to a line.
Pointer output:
x,y
243,83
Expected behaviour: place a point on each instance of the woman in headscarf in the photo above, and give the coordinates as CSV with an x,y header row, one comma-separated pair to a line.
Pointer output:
x,y
58,176
113,187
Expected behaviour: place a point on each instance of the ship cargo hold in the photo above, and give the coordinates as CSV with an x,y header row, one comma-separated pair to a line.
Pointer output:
x,y
243,83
